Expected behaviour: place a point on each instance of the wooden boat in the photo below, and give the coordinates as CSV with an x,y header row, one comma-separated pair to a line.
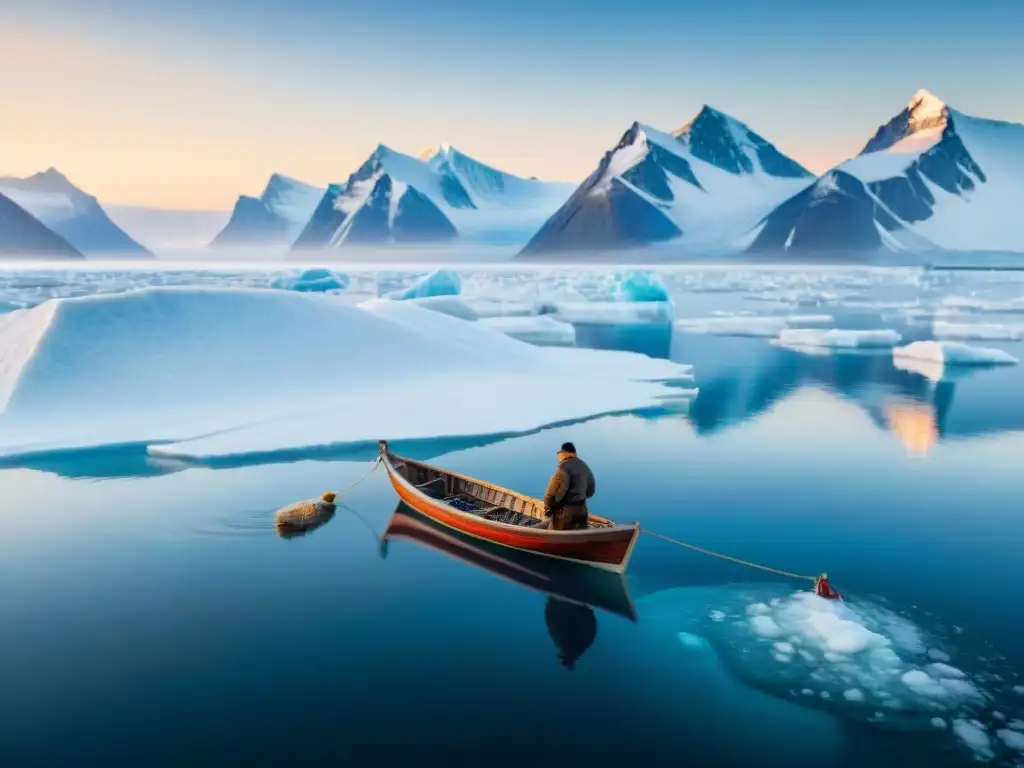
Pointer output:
x,y
489,512
571,582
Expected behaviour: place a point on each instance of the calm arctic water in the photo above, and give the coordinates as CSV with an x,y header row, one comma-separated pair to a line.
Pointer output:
x,y
152,616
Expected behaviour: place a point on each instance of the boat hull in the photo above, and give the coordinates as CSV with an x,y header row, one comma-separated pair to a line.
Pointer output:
x,y
608,547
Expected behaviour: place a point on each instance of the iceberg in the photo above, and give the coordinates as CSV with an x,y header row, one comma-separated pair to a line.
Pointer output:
x,y
839,339
638,286
200,373
316,279
441,282
542,329
953,353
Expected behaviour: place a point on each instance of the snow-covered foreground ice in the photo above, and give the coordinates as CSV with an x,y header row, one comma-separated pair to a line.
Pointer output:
x,y
856,659
221,372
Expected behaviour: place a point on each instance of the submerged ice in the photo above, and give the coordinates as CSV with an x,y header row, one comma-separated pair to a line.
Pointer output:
x,y
856,659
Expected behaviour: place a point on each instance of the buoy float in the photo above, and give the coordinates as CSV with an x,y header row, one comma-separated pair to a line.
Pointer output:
x,y
304,516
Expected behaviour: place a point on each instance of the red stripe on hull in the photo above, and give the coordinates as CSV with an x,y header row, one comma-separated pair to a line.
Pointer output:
x,y
611,549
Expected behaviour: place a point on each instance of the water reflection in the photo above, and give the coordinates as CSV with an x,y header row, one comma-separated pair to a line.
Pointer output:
x,y
740,379
568,583
572,627
914,424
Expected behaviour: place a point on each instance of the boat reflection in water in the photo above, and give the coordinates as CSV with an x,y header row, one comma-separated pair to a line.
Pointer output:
x,y
573,590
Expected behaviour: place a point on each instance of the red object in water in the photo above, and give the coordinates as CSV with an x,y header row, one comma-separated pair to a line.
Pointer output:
x,y
823,589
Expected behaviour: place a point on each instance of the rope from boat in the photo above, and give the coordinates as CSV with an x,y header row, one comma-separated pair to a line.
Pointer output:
x,y
373,467
728,557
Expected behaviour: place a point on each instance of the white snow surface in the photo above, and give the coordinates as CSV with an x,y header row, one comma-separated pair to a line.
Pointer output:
x,y
953,353
835,338
225,372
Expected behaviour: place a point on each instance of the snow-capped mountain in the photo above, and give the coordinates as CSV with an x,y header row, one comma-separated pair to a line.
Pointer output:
x,y
274,218
22,235
704,185
71,213
931,178
444,194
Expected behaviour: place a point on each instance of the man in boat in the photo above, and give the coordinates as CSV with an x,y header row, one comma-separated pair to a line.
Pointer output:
x,y
823,589
565,500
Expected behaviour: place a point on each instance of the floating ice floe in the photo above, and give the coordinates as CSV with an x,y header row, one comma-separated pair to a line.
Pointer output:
x,y
839,339
313,280
975,331
441,282
985,306
542,329
953,353
761,326
208,373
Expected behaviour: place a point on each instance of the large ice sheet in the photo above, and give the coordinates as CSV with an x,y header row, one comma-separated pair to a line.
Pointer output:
x,y
231,372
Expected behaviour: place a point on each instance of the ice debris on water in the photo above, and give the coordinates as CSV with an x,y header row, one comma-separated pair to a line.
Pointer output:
x,y
938,722
717,616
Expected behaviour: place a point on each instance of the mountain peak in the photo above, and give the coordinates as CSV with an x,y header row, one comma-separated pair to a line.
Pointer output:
x,y
925,103
707,115
442,151
52,179
924,112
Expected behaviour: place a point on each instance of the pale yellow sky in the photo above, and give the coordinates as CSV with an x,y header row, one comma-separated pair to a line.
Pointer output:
x,y
174,127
